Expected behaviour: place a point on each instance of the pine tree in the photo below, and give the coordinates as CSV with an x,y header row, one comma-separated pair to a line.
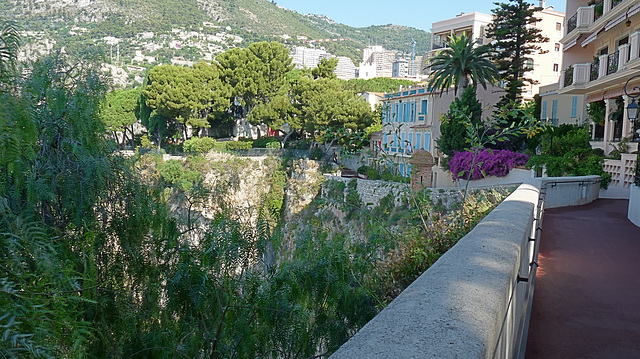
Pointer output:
x,y
515,39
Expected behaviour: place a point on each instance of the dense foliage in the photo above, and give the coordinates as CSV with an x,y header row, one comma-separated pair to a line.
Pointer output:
x,y
453,127
566,151
487,163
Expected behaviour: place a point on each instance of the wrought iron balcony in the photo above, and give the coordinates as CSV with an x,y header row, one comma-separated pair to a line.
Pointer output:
x,y
612,63
598,10
568,76
595,69
615,3
572,23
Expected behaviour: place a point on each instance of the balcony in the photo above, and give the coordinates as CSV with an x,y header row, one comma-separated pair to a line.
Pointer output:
x,y
579,76
437,46
581,20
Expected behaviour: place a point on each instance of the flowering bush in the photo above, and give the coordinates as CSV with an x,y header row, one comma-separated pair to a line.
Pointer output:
x,y
496,163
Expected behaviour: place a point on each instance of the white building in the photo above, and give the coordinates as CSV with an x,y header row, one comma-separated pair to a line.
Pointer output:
x,y
345,69
376,62
307,57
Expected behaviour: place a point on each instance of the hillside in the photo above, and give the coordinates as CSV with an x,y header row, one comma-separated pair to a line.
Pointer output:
x,y
217,24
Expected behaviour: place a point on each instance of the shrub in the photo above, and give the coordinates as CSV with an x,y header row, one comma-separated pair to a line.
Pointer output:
x,y
274,145
198,145
239,145
264,142
487,163
316,153
373,174
363,169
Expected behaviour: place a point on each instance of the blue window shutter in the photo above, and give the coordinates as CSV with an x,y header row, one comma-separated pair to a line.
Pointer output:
x,y
408,169
402,144
574,106
554,110
395,139
544,109
427,141
413,112
418,141
384,141
424,106
411,140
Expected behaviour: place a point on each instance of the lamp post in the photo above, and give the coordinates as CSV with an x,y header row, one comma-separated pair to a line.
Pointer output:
x,y
632,113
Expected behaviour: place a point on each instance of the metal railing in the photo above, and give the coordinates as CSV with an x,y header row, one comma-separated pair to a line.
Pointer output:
x,y
568,76
438,46
572,23
612,62
637,181
595,69
598,10
615,3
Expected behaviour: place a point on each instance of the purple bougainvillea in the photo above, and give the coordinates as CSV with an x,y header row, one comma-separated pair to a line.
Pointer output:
x,y
496,163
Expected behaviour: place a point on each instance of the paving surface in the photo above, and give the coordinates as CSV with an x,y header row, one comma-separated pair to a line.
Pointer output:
x,y
586,302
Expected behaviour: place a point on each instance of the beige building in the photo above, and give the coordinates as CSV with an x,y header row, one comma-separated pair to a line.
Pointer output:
x,y
601,53
545,66
561,109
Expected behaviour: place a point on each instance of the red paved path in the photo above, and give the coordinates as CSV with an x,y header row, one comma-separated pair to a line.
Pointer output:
x,y
586,302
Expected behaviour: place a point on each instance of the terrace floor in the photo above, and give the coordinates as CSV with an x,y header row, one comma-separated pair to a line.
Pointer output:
x,y
586,302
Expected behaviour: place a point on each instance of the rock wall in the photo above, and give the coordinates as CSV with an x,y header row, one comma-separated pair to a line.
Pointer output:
x,y
371,192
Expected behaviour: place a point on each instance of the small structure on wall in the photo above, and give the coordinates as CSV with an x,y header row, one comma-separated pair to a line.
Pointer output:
x,y
422,163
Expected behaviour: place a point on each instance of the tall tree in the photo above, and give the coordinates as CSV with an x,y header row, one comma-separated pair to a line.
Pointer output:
x,y
119,111
256,73
460,63
516,39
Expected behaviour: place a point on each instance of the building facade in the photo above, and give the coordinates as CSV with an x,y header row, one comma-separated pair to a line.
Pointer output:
x,y
601,46
545,67
411,120
376,62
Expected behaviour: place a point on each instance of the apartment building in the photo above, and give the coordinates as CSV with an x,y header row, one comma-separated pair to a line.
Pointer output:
x,y
307,57
411,121
376,62
601,46
545,67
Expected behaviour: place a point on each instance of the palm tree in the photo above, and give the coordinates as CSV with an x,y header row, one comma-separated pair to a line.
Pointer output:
x,y
460,63
9,44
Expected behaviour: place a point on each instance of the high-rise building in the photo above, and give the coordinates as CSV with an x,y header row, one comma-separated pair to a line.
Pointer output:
x,y
376,62
345,69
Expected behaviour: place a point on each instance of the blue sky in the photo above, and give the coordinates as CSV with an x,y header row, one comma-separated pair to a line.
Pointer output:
x,y
415,13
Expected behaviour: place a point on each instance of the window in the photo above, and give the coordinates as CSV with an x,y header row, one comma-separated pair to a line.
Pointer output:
x,y
418,140
555,67
384,141
557,47
424,107
558,26
528,65
554,111
402,144
544,109
574,106
427,139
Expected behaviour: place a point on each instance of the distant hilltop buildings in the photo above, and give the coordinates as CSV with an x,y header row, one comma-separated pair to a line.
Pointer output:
x,y
376,62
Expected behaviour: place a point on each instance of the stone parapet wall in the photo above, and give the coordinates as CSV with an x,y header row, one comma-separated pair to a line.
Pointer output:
x,y
473,302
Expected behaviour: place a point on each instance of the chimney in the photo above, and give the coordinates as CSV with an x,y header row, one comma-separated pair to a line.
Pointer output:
x,y
543,4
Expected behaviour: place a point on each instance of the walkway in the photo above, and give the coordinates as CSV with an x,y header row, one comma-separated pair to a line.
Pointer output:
x,y
586,302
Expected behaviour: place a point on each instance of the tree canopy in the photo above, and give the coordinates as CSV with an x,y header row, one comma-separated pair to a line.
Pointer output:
x,y
516,39
460,63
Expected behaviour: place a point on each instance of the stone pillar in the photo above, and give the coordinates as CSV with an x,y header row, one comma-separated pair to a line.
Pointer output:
x,y
422,163
606,7
603,66
634,45
623,55
608,130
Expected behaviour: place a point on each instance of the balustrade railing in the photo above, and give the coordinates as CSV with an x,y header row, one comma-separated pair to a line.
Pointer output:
x,y
568,76
612,62
572,23
595,68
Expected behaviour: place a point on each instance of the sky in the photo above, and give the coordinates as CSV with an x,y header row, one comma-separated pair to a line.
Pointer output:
x,y
414,13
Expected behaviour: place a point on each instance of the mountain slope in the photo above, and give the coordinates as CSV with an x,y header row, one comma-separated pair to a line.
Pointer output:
x,y
252,20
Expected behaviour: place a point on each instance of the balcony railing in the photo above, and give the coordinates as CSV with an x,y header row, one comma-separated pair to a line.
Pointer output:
x,y
598,10
438,46
568,76
615,3
612,63
595,69
572,23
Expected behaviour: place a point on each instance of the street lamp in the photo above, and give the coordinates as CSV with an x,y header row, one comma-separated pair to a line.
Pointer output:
x,y
632,108
632,112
